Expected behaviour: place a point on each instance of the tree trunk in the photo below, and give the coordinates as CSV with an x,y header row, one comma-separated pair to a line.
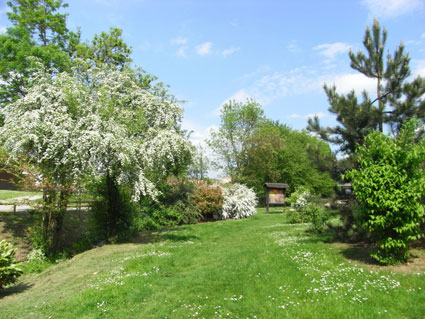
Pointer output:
x,y
114,201
54,209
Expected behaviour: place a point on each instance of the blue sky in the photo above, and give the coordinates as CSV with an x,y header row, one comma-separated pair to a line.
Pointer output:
x,y
278,52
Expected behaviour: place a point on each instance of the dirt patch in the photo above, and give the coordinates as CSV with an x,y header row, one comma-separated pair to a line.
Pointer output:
x,y
359,254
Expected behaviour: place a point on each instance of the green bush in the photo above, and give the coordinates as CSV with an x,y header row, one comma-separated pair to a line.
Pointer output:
x,y
389,185
317,216
293,216
9,269
208,201
152,215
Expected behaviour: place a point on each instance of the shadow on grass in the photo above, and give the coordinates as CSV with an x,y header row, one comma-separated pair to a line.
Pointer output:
x,y
147,237
359,253
15,289
17,224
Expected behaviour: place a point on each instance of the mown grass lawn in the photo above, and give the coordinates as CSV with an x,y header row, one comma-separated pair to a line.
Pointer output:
x,y
7,194
254,268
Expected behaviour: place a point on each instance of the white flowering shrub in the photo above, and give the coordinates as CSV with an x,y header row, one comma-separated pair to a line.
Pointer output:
x,y
239,201
96,123
300,199
99,122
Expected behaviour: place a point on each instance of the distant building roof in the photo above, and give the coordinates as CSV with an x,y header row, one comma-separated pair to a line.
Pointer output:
x,y
276,185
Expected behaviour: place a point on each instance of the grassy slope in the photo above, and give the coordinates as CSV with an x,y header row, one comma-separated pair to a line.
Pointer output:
x,y
253,268
6,194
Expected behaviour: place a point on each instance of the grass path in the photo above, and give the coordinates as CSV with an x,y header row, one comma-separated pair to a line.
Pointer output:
x,y
253,268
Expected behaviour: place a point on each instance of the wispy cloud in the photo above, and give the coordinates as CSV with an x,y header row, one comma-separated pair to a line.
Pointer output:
x,y
330,50
178,41
116,3
423,36
419,68
307,116
234,24
182,51
269,87
5,10
293,46
392,8
229,51
204,48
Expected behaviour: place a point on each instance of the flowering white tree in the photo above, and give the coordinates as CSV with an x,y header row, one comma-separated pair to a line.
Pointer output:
x,y
99,122
239,201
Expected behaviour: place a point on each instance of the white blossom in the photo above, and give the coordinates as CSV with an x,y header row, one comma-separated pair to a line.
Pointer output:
x,y
239,201
99,122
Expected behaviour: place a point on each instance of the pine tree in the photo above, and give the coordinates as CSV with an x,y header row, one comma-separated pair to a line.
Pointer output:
x,y
396,98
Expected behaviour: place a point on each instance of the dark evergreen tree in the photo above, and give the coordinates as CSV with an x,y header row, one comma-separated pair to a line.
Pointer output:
x,y
396,98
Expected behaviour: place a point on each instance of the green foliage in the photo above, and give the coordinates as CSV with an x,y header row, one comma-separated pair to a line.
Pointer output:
x,y
9,270
294,217
112,210
318,217
198,169
389,184
36,262
280,154
106,49
232,140
396,99
154,217
173,207
208,201
38,30
349,230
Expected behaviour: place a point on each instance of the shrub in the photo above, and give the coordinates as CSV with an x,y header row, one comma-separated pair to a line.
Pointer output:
x,y
189,214
348,229
9,270
317,216
239,201
208,201
389,185
293,216
300,198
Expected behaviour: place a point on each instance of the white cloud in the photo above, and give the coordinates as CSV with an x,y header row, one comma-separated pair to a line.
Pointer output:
x,y
419,68
274,85
199,133
229,51
5,10
178,41
392,8
352,81
2,29
423,35
307,116
239,96
293,46
116,3
330,50
204,48
182,51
